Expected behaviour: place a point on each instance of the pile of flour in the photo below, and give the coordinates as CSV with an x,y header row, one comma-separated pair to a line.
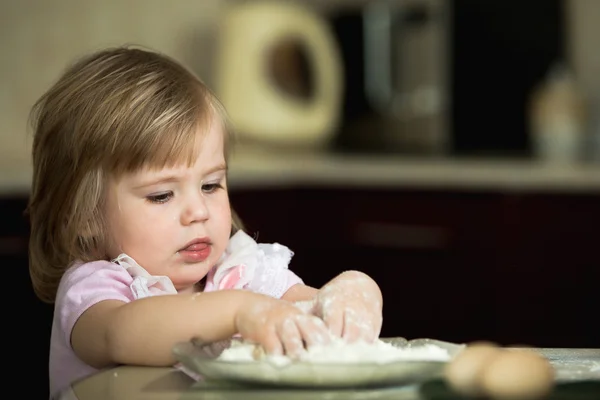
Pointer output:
x,y
340,352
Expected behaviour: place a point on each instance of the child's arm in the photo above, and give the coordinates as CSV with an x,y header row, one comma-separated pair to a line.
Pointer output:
x,y
144,331
300,292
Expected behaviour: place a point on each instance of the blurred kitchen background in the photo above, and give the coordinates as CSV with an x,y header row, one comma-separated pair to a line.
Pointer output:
x,y
449,148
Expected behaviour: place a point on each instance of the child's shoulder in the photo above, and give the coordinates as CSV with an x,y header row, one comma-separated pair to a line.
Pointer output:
x,y
94,274
85,284
78,269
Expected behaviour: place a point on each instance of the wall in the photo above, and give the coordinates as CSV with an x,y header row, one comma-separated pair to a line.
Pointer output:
x,y
38,38
583,19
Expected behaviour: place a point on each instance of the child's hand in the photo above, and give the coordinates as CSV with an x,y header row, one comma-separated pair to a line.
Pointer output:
x,y
351,306
279,326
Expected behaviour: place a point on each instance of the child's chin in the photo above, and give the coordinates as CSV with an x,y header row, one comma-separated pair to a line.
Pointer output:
x,y
189,283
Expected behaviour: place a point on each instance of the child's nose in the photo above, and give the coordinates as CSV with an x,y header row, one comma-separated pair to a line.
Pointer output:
x,y
195,210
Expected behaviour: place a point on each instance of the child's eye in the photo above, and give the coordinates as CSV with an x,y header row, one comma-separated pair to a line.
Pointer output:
x,y
211,187
160,198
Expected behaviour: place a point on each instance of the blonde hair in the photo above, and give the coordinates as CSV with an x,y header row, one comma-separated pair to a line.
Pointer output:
x,y
111,112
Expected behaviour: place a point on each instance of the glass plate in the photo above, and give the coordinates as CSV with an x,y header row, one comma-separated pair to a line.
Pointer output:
x,y
305,374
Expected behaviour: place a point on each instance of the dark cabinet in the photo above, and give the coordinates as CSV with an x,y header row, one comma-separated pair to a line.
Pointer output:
x,y
517,268
29,319
549,281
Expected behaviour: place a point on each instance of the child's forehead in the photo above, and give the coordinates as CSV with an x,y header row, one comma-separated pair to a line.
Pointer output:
x,y
203,155
204,143
176,166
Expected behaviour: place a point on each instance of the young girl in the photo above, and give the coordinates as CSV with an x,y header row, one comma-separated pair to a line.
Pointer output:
x,y
133,238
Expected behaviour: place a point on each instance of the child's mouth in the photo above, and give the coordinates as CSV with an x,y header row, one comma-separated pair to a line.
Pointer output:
x,y
196,252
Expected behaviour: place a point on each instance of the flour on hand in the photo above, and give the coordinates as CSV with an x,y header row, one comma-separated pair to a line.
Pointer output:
x,y
341,352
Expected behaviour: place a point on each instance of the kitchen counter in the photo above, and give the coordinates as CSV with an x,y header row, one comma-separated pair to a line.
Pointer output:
x,y
264,168
167,383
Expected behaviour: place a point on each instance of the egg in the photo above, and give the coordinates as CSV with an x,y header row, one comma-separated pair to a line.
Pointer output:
x,y
518,375
463,373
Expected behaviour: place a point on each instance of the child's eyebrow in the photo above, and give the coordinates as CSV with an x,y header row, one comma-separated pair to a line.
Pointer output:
x,y
220,167
175,177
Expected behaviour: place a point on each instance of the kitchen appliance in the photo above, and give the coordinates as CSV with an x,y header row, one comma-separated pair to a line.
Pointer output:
x,y
442,77
279,73
416,77
396,90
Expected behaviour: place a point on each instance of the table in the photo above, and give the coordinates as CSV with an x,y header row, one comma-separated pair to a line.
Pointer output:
x,y
578,375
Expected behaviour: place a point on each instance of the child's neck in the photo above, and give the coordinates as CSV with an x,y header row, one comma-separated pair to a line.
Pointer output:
x,y
198,287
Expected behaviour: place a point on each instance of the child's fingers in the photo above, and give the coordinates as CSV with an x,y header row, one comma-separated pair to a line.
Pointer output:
x,y
360,325
377,326
313,330
352,326
334,319
366,334
271,342
289,336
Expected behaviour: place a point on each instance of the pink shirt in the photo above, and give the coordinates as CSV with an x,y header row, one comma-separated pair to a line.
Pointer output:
x,y
262,268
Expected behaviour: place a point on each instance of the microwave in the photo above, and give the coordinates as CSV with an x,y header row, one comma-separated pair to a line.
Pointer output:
x,y
441,77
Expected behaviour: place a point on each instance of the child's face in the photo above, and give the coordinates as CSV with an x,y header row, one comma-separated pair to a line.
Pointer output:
x,y
176,221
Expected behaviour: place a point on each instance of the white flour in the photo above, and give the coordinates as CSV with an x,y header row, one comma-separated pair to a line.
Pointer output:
x,y
340,352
